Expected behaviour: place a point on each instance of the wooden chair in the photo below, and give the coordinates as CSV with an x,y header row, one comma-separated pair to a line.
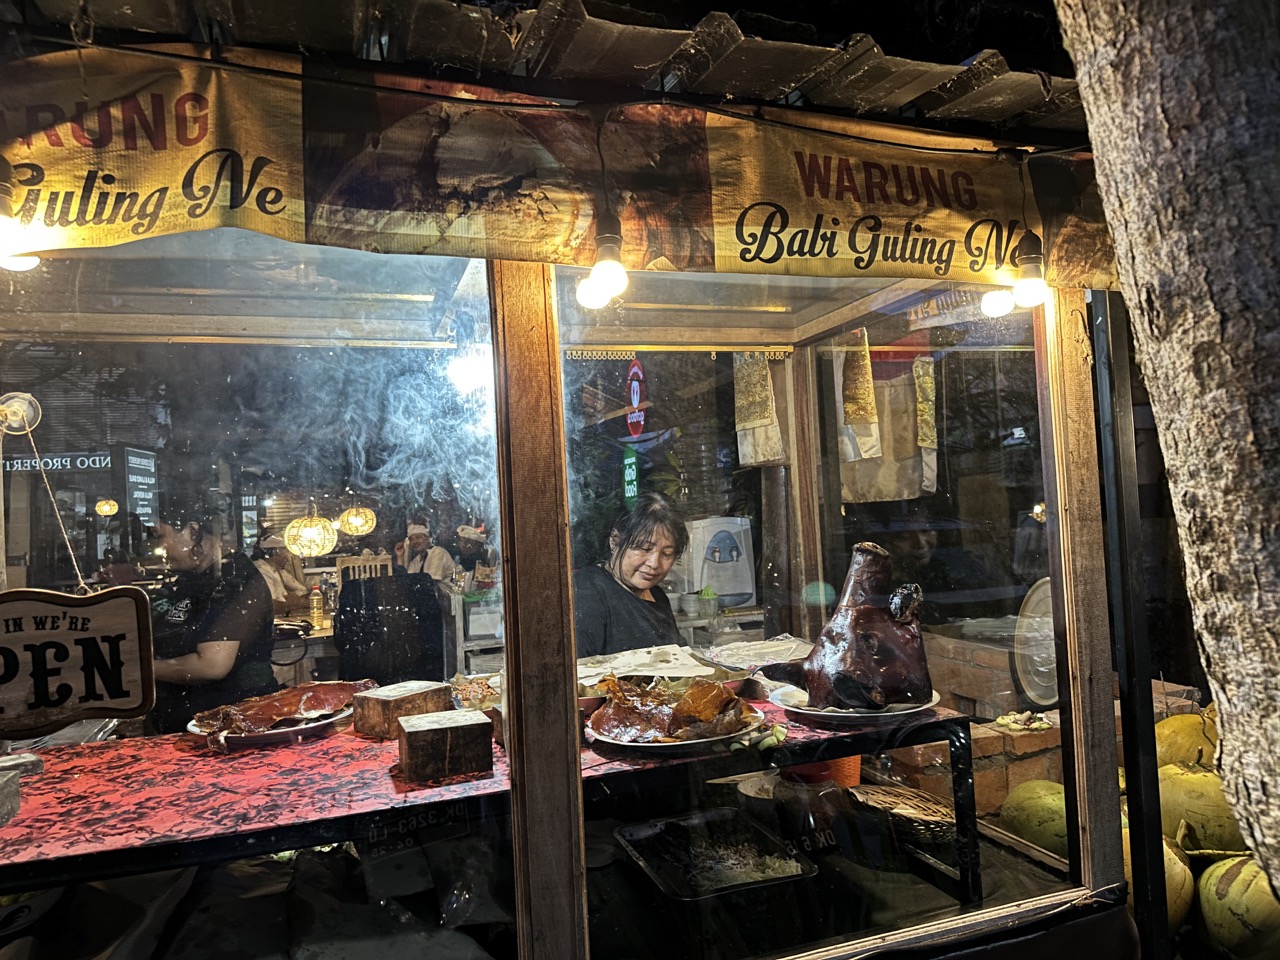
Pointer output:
x,y
363,568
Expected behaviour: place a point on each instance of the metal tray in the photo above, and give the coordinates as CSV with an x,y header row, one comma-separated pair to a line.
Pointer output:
x,y
665,850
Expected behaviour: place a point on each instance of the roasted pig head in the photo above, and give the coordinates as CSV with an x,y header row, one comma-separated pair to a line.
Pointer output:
x,y
870,653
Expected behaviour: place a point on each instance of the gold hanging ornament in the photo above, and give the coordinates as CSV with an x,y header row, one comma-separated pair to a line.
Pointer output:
x,y
310,536
106,508
357,521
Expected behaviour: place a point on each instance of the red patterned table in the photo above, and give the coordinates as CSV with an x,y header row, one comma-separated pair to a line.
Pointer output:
x,y
124,806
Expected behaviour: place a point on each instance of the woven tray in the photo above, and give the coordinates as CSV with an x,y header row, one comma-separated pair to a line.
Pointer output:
x,y
914,816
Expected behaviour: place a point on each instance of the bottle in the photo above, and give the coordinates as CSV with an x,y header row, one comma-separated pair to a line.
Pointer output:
x,y
317,607
815,813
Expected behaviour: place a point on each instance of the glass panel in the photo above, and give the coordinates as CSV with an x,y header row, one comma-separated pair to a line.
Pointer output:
x,y
816,447
292,451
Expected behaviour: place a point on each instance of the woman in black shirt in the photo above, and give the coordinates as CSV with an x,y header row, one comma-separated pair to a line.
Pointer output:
x,y
618,604
213,627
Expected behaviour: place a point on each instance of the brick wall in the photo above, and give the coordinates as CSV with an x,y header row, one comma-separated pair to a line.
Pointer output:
x,y
1004,758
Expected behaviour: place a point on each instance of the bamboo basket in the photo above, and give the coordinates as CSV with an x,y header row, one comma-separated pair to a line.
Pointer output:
x,y
912,815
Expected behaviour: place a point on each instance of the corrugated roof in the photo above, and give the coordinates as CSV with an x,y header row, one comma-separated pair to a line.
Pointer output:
x,y
557,48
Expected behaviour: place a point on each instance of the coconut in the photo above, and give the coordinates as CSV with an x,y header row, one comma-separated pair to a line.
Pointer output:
x,y
1036,811
1188,737
1238,909
1194,793
1179,883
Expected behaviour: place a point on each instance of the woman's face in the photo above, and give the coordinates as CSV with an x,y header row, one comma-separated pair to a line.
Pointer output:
x,y
648,564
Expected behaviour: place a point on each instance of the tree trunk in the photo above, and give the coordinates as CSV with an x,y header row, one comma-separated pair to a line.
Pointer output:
x,y
1183,103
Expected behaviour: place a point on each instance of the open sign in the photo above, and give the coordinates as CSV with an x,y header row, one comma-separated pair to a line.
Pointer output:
x,y
65,658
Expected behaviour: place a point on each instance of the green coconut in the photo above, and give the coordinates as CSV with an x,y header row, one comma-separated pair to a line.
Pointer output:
x,y
1179,882
1239,912
1194,793
1036,811
1188,737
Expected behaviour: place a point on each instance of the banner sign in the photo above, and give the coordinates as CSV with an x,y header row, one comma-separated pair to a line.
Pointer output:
x,y
65,658
111,146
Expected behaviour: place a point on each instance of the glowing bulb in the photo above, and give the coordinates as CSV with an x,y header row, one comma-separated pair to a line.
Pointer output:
x,y
997,303
471,369
591,294
1030,291
14,243
608,278
610,275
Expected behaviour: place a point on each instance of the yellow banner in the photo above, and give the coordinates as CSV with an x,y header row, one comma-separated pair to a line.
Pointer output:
x,y
799,202
101,156
101,147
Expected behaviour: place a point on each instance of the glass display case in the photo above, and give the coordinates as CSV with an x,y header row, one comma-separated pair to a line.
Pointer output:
x,y
848,692
891,420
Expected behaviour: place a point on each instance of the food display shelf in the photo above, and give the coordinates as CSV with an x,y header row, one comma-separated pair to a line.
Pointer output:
x,y
148,803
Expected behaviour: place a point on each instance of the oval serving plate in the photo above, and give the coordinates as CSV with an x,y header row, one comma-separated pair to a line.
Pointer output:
x,y
679,746
795,703
270,738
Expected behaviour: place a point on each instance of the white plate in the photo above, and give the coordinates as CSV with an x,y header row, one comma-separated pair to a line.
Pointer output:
x,y
269,738
676,746
796,701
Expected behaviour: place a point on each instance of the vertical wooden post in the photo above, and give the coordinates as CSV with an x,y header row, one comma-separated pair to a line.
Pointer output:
x,y
1064,362
541,727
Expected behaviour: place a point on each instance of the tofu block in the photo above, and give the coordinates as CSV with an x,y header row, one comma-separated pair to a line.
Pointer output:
x,y
445,744
377,710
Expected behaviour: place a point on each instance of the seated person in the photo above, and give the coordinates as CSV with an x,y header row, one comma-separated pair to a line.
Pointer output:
x,y
212,624
618,604
288,593
415,554
472,548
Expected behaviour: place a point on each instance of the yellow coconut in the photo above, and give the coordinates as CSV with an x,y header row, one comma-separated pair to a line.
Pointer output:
x,y
1187,737
1238,910
1179,882
1193,793
1036,811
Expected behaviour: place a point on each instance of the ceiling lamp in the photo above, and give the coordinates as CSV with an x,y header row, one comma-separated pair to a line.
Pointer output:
x,y
310,536
357,521
1030,289
11,232
998,302
106,508
608,278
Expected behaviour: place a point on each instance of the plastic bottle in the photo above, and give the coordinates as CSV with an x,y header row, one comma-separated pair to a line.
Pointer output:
x,y
317,607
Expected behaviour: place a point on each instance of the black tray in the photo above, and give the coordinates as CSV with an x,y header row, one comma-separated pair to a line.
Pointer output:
x,y
665,849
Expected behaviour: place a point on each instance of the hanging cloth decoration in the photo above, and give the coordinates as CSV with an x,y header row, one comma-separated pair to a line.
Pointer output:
x,y
860,428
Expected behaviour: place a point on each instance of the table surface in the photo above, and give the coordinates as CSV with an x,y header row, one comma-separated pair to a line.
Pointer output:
x,y
120,806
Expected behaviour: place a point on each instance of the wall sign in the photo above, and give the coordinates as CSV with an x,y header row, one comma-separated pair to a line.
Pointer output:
x,y
636,395
65,658
100,460
630,477
140,484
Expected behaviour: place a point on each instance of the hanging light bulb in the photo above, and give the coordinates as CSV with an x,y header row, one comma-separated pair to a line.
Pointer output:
x,y
998,302
12,246
106,508
357,521
1030,289
310,536
608,278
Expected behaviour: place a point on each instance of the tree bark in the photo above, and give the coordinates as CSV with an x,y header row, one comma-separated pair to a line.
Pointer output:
x,y
1183,104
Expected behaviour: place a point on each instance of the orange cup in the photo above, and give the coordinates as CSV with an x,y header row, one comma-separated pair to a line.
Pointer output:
x,y
847,771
